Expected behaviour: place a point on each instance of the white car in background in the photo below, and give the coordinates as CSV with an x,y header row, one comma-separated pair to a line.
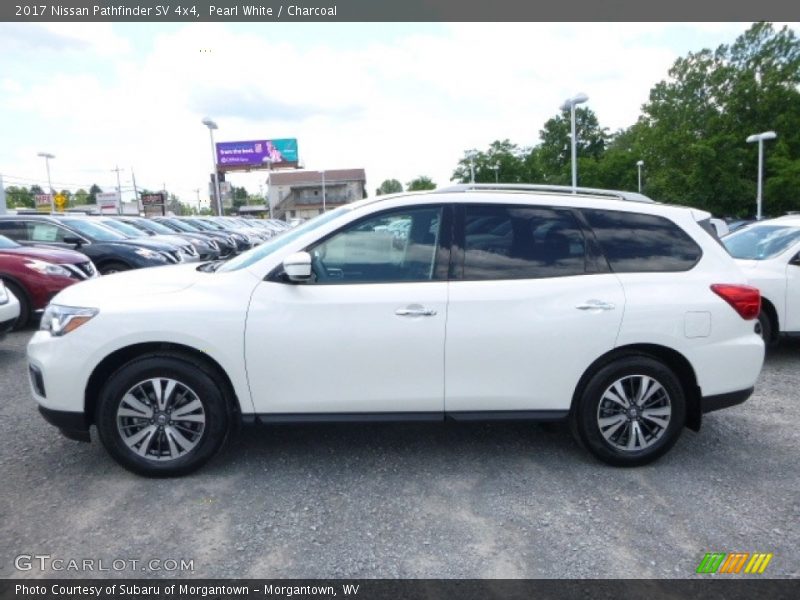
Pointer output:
x,y
9,310
626,318
768,252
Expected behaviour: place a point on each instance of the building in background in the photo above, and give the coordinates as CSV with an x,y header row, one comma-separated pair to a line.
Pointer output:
x,y
299,194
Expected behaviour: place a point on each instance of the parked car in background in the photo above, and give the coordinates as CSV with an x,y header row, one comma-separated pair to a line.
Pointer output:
x,y
627,319
735,224
244,241
9,310
35,275
768,252
720,226
207,249
227,244
186,249
108,250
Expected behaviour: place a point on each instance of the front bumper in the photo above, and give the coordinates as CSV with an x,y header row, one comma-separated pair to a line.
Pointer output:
x,y
72,425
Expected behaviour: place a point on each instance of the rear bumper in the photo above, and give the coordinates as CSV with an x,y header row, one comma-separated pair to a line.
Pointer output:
x,y
720,401
72,425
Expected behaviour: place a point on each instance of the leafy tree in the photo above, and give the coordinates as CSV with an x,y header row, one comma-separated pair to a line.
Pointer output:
x,y
81,197
19,197
420,183
93,191
554,154
502,162
389,186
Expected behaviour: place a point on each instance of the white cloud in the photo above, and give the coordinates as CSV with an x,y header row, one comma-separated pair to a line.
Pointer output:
x,y
400,109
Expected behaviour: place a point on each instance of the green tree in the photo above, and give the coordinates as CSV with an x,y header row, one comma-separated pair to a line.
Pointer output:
x,y
420,183
389,186
81,197
93,191
554,154
695,124
19,197
502,162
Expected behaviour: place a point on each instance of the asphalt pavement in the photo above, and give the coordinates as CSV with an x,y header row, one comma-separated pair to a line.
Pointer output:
x,y
405,500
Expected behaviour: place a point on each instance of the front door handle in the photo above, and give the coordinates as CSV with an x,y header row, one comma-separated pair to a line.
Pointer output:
x,y
415,311
595,305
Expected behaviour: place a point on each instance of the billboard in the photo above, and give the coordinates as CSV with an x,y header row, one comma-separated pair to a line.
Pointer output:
x,y
44,202
265,154
108,202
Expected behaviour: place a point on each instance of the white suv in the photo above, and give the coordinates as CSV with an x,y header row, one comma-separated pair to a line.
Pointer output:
x,y
768,252
498,302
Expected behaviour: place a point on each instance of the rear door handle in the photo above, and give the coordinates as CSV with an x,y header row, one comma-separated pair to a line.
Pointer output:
x,y
415,311
595,305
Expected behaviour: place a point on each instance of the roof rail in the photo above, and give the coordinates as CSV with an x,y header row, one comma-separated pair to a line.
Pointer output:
x,y
551,189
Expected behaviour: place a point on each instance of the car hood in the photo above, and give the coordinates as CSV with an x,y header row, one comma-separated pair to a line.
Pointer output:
x,y
129,284
50,255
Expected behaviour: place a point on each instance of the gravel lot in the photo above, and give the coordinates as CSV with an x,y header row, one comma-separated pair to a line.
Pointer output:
x,y
423,500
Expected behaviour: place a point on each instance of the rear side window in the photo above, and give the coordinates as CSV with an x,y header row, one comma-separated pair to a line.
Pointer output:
x,y
517,242
14,230
637,243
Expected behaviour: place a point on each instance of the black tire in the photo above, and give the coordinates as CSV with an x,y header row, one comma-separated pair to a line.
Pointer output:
x,y
586,414
113,267
182,370
24,304
767,330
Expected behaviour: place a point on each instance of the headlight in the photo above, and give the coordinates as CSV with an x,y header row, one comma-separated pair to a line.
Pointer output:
x,y
3,293
46,268
60,320
147,253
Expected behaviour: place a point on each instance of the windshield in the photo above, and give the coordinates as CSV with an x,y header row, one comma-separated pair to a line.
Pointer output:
x,y
6,243
124,228
198,225
153,226
759,242
183,226
94,230
252,256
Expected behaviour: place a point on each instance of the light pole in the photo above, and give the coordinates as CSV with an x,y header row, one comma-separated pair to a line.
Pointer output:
x,y
211,127
496,169
47,156
760,137
569,104
639,165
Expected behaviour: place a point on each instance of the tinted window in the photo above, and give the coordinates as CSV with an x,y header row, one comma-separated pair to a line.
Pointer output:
x,y
394,246
637,243
512,242
14,230
94,230
6,243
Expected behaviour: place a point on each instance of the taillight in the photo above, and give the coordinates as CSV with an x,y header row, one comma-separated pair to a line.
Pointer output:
x,y
744,299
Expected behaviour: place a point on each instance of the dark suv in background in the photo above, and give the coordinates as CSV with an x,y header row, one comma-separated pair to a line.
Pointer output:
x,y
109,251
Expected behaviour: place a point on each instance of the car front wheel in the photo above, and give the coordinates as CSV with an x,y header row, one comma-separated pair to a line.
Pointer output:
x,y
161,416
631,412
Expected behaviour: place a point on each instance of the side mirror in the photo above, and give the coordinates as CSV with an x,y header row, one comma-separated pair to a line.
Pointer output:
x,y
297,266
795,260
74,240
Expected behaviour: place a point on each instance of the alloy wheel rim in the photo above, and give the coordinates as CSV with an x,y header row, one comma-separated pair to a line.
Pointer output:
x,y
161,419
634,413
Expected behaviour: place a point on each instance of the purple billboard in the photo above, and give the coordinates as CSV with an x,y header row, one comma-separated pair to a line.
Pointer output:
x,y
257,153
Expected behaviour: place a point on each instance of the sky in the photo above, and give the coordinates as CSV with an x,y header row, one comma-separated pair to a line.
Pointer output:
x,y
399,100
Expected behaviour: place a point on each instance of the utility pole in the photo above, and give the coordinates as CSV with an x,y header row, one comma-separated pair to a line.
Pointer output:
x,y
119,188
2,197
135,191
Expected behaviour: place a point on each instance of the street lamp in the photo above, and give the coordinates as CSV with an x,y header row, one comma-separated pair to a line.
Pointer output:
x,y
760,137
211,127
569,104
639,165
496,169
46,156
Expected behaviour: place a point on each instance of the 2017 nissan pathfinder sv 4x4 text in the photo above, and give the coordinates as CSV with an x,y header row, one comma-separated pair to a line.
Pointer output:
x,y
625,317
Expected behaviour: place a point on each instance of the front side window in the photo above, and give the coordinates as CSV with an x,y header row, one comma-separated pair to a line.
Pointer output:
x,y
46,232
759,242
639,243
518,242
397,245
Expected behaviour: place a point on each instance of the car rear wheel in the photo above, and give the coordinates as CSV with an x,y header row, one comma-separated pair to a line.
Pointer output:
x,y
767,331
24,304
631,412
162,416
